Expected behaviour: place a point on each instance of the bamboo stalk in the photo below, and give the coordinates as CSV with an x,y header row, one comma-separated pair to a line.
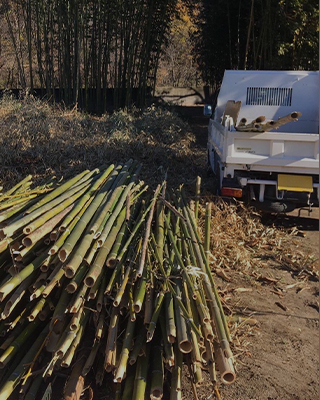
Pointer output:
x,y
16,187
74,284
16,376
140,381
147,234
66,199
170,320
207,231
224,365
16,297
175,391
46,228
68,357
183,336
112,338
13,282
15,346
167,346
140,291
59,190
76,233
198,188
157,374
122,288
138,344
37,309
121,370
91,192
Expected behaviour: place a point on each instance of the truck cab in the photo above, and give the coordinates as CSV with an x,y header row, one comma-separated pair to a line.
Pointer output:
x,y
273,168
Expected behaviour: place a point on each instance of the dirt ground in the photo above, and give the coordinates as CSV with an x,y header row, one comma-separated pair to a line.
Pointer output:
x,y
278,356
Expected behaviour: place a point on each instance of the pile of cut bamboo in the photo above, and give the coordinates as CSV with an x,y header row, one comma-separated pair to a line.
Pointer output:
x,y
98,275
259,124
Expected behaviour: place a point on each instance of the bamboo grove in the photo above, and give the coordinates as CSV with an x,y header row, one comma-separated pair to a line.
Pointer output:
x,y
77,49
102,277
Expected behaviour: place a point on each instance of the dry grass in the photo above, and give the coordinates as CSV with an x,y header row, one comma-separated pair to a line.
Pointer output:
x,y
241,242
40,139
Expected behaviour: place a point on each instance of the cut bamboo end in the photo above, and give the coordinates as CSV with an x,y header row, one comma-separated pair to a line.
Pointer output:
x,y
185,346
111,263
53,250
89,281
137,307
224,365
156,394
54,236
71,287
69,272
260,119
28,229
228,377
27,242
63,255
171,338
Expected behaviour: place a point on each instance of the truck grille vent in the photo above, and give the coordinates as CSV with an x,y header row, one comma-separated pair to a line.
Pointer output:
x,y
262,96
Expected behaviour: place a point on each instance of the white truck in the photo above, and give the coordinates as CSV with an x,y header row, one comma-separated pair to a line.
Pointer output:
x,y
279,169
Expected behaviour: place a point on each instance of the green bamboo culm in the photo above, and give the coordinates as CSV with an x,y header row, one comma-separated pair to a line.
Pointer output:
x,y
124,356
83,222
140,382
91,192
68,198
59,190
14,379
198,188
13,282
16,187
207,231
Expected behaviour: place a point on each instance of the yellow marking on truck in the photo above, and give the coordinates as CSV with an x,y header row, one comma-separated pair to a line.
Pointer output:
x,y
295,183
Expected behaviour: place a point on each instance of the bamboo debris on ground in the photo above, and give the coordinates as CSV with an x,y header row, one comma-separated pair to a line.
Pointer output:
x,y
125,273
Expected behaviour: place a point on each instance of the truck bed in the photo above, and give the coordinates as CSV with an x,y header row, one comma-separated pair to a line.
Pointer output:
x,y
295,153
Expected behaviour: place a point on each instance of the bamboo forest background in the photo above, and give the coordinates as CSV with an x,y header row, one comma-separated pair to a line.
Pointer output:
x,y
115,52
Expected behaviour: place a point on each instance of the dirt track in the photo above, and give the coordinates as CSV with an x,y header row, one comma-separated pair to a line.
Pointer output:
x,y
279,358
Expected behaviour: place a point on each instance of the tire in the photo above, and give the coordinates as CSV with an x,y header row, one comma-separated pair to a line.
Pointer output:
x,y
276,207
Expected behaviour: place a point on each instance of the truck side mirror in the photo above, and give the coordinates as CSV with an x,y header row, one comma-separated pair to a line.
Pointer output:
x,y
207,110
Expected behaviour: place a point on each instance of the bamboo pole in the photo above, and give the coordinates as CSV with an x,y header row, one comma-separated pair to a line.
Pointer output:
x,y
124,356
147,234
16,376
140,381
157,373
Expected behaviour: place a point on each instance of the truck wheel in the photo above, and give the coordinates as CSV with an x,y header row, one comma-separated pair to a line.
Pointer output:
x,y
274,206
